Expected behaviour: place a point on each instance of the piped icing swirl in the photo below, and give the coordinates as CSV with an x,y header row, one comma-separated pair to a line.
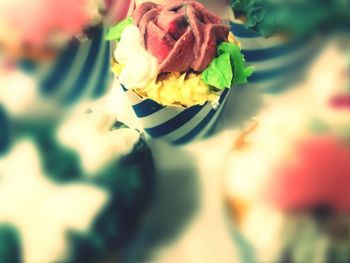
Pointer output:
x,y
140,67
182,35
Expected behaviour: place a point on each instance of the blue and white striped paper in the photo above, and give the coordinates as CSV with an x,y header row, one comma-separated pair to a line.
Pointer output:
x,y
80,72
277,63
176,125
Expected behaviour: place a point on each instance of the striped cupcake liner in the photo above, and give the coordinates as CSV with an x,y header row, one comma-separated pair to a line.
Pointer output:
x,y
176,125
278,64
80,72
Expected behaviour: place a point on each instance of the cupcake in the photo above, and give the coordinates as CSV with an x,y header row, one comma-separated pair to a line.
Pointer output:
x,y
58,59
176,63
288,171
281,39
73,193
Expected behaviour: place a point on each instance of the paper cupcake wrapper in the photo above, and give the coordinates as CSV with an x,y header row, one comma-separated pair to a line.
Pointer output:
x,y
176,125
278,63
80,72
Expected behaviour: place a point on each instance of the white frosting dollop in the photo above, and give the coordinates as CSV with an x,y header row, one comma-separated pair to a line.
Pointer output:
x,y
140,66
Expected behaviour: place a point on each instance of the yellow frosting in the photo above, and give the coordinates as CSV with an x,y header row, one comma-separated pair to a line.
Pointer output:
x,y
175,89
117,68
231,39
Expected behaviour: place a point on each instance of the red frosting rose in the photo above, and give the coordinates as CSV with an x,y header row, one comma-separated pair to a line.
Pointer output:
x,y
320,175
182,35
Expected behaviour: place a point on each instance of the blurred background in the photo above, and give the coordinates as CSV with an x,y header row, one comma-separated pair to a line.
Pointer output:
x,y
78,177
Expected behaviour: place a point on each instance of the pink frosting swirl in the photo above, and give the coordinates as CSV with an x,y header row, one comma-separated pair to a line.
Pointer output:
x,y
182,34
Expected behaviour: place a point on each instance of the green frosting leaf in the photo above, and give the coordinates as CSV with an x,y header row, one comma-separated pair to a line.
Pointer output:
x,y
115,33
228,68
219,72
241,73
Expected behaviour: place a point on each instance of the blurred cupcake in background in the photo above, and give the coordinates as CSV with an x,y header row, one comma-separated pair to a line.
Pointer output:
x,y
56,55
288,172
73,191
280,38
75,181
291,18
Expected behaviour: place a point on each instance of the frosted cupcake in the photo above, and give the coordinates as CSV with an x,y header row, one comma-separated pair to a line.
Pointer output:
x,y
176,60
281,39
288,172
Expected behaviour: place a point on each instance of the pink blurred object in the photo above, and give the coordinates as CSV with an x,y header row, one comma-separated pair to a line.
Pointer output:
x,y
340,101
33,21
117,10
319,175
38,28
